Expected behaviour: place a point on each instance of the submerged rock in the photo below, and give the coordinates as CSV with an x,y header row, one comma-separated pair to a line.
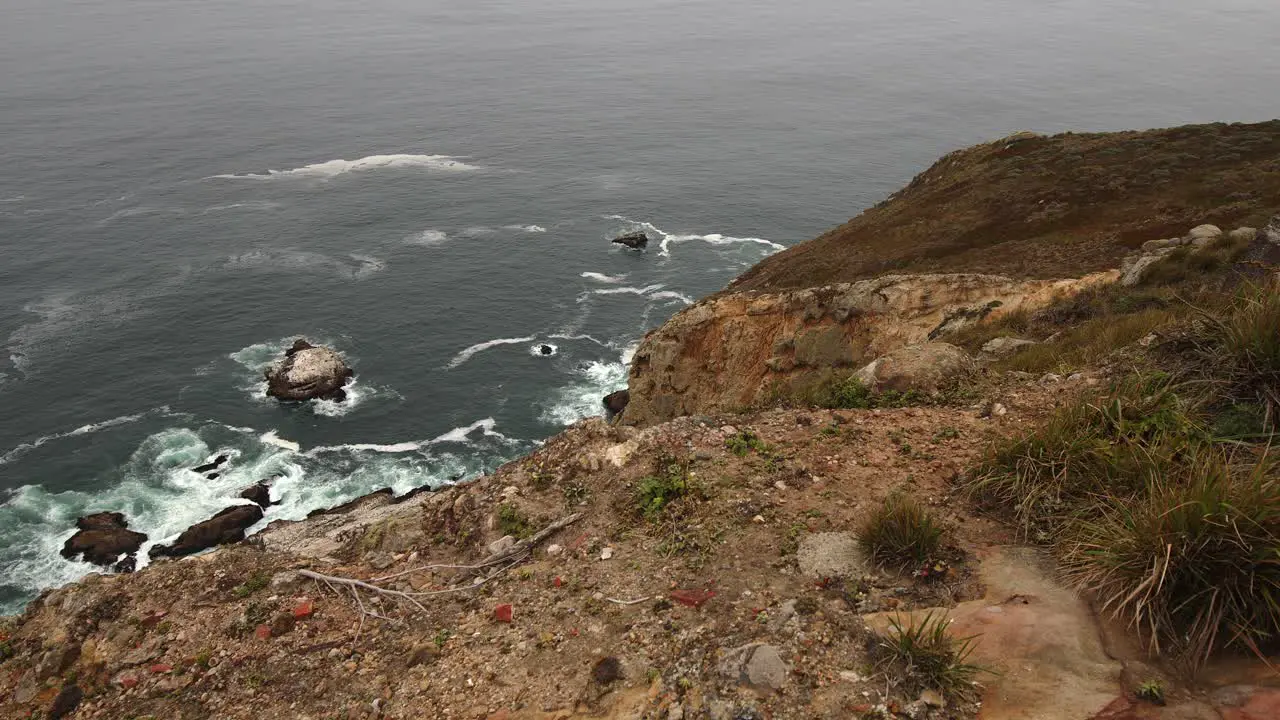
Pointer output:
x,y
634,240
102,538
213,465
309,372
226,527
259,493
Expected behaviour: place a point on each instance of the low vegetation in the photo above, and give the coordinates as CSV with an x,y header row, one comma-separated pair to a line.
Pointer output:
x,y
669,482
1160,496
923,655
900,532
513,522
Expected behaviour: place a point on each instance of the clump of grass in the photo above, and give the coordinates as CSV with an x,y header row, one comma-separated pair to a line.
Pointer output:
x,y
1089,450
513,522
900,532
1195,562
669,482
1245,341
1088,342
1152,691
926,656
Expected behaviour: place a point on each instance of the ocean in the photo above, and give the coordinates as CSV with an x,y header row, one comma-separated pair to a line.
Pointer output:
x,y
430,188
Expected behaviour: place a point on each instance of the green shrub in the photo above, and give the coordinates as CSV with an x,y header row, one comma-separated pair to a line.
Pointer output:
x,y
1195,562
256,582
513,522
925,656
744,441
1088,451
850,393
669,482
900,532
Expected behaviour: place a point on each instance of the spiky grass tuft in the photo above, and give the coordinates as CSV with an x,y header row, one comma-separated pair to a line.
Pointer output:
x,y
926,656
900,532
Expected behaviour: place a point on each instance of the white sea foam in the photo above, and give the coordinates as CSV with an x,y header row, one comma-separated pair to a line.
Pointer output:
x,y
601,277
470,352
428,238
571,336
334,168
462,434
352,266
250,205
141,210
271,437
536,350
25,448
526,228
623,291
669,239
582,397
671,295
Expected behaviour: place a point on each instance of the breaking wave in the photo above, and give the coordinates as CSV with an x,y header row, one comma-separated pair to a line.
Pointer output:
x,y
467,353
581,398
334,168
670,239
602,278
428,238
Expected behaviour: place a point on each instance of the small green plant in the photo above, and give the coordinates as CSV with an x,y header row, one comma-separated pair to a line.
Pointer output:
x,y
669,482
441,637
256,582
1246,347
744,441
575,494
830,430
203,658
1151,691
900,533
946,433
926,656
6,650
513,522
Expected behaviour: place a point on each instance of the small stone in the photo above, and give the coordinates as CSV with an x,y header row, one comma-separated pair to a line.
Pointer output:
x,y
128,682
262,632
1050,378
160,668
758,519
304,609
998,410
728,430
425,654
606,553
504,613
502,545
780,485
932,698
554,550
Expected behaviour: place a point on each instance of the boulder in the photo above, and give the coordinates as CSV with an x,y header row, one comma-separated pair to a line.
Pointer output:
x,y
259,493
308,372
226,527
616,402
926,368
1135,267
1272,231
102,538
634,240
1204,235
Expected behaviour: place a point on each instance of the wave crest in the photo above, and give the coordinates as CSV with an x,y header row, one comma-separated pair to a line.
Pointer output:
x,y
334,168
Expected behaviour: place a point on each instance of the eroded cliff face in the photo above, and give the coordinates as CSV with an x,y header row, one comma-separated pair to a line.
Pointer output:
x,y
740,350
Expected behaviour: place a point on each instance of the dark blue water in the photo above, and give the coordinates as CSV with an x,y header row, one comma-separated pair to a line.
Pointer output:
x,y
186,187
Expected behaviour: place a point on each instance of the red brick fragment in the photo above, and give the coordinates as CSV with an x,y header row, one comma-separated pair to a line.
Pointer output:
x,y
504,613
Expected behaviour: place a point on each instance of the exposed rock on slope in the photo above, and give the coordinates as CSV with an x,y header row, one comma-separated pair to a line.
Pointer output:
x,y
1036,206
738,350
102,538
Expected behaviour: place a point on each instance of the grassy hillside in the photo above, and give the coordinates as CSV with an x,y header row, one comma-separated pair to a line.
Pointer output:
x,y
1038,206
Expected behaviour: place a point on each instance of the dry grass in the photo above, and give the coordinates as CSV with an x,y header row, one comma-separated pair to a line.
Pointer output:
x,y
1195,562
921,654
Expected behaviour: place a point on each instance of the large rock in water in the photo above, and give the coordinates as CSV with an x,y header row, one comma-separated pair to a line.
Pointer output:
x,y
103,537
634,240
616,402
309,372
224,528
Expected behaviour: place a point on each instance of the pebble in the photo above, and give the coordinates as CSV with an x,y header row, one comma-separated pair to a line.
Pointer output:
x,y
554,550
606,553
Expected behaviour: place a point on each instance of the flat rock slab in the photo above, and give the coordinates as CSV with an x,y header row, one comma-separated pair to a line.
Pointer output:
x,y
1038,635
831,555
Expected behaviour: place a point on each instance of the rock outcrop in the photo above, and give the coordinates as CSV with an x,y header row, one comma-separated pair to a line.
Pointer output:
x,y
224,528
102,539
739,350
309,372
928,367
615,403
634,240
259,494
